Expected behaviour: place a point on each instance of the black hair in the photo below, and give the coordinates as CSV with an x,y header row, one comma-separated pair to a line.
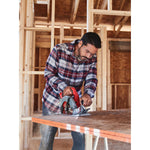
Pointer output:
x,y
91,38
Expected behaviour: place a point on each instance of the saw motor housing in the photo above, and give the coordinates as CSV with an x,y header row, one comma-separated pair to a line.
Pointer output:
x,y
69,103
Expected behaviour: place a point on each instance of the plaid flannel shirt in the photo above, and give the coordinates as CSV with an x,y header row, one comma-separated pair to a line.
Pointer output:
x,y
62,70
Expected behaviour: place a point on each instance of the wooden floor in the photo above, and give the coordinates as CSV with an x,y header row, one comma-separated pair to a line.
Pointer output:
x,y
66,144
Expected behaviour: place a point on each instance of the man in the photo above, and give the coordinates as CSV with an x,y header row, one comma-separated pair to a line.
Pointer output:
x,y
69,65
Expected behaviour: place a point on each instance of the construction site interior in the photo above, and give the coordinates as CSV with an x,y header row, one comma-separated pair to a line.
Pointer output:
x,y
45,23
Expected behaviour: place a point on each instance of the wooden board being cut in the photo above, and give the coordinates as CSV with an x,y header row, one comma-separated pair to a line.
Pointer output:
x,y
114,124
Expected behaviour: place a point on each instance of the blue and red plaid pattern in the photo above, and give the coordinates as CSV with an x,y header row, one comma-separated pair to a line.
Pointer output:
x,y
62,70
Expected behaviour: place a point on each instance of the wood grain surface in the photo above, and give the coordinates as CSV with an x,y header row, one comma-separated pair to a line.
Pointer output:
x,y
114,124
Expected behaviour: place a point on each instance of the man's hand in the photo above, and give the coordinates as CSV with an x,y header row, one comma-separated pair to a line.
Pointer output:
x,y
86,100
67,91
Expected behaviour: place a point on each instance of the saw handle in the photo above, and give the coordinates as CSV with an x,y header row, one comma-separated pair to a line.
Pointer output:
x,y
75,95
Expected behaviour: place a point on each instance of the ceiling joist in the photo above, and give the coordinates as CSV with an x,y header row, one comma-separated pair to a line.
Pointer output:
x,y
103,6
74,10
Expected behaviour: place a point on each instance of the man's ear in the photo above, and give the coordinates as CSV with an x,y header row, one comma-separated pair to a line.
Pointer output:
x,y
80,44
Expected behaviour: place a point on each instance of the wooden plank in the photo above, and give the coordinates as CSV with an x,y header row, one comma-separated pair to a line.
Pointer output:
x,y
61,33
48,9
74,10
111,12
99,78
82,32
44,24
21,60
33,77
128,7
33,72
89,16
109,95
53,22
109,5
118,39
125,19
103,6
37,29
104,67
114,125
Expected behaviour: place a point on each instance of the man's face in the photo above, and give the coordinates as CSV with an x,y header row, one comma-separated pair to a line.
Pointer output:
x,y
86,52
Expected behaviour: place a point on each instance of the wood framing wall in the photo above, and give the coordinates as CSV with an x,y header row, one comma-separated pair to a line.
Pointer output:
x,y
36,41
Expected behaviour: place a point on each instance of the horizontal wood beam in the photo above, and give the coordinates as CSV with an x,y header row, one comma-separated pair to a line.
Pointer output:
x,y
111,12
80,26
118,39
37,29
41,1
33,72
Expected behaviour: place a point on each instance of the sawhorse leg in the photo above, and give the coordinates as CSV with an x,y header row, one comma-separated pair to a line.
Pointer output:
x,y
89,142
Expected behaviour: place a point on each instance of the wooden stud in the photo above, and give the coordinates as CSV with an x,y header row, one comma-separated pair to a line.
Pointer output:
x,y
104,67
109,5
109,94
99,78
39,81
48,10
53,22
21,52
82,31
89,15
27,79
61,33
33,77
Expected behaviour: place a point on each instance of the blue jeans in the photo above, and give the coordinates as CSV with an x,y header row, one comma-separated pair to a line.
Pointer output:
x,y
48,135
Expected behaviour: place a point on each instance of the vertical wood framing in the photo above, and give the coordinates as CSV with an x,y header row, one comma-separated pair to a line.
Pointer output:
x,y
109,4
33,76
21,52
99,78
39,81
82,31
90,4
61,33
89,15
104,67
27,79
109,100
48,9
88,145
53,23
